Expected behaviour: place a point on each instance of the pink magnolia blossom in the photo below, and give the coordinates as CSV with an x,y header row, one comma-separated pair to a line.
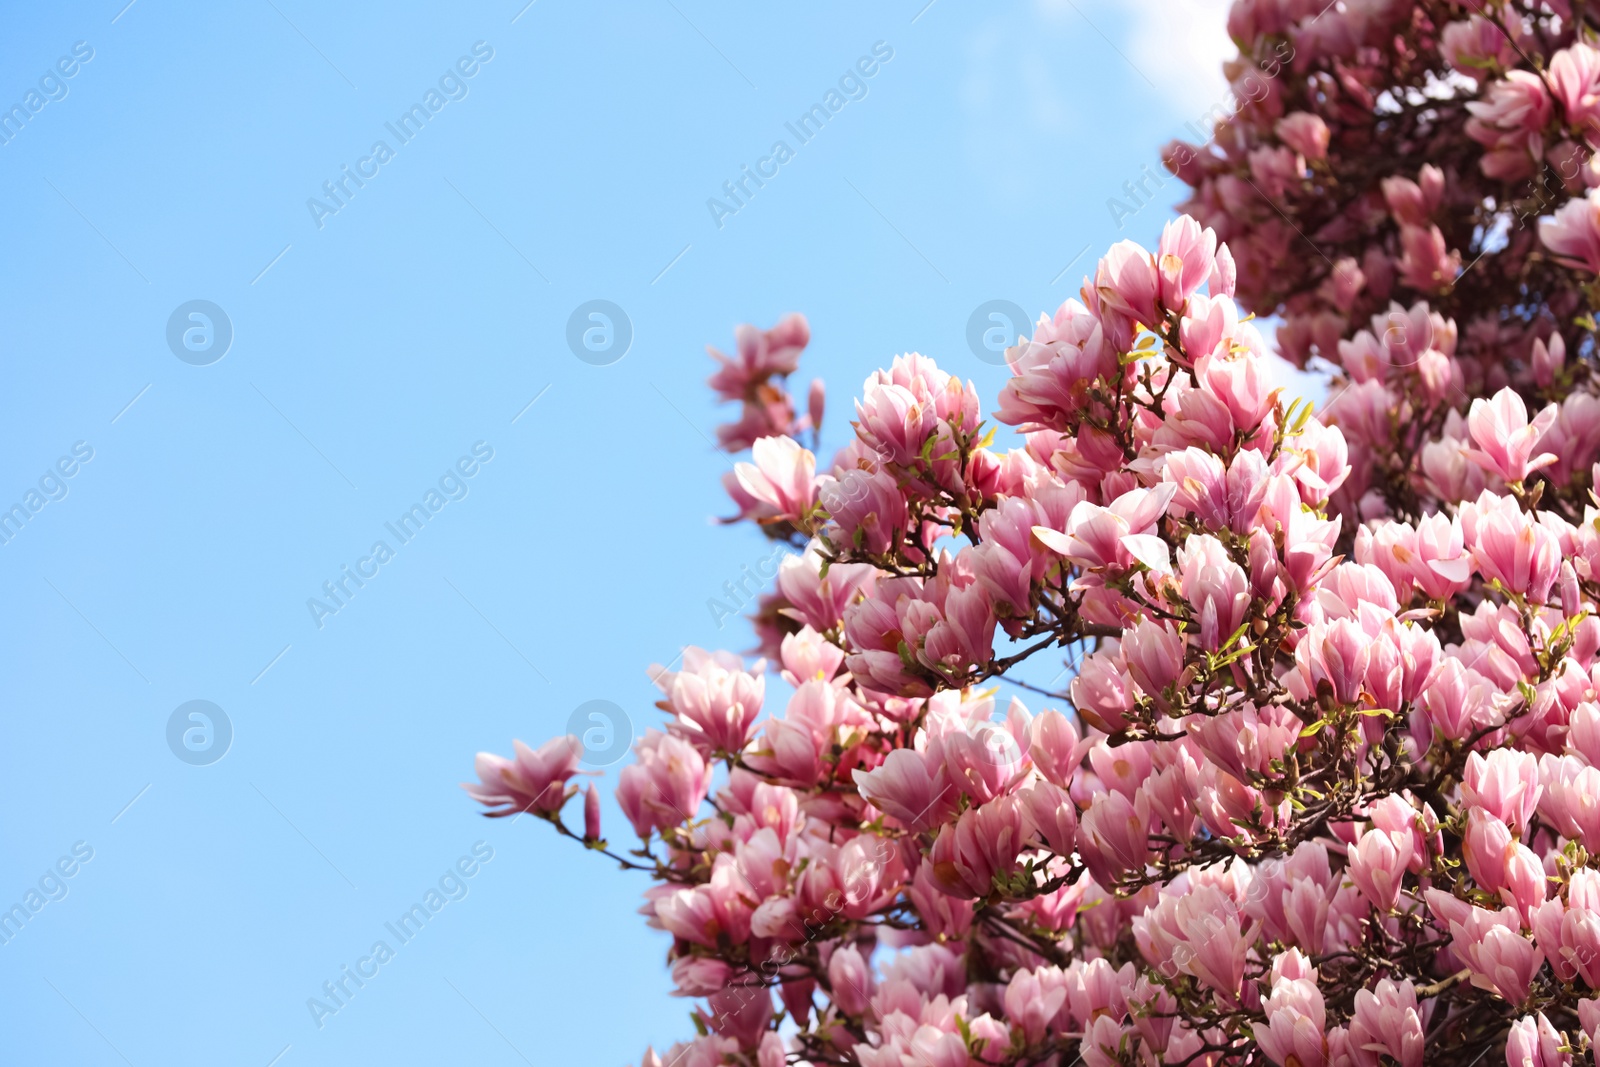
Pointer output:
x,y
665,787
868,509
1505,438
1428,264
1534,1042
984,842
1102,1042
1099,537
895,422
1387,1022
819,599
760,352
764,358
1102,693
741,1013
1414,202
1378,864
1056,748
1154,654
1336,654
1033,999
1185,260
1523,556
1492,946
1570,797
1505,783
715,699
782,478
1569,933
1508,122
984,761
1487,846
704,913
1129,286
1113,835
1575,83
1476,46
1296,1027
850,980
1216,588
1306,134
534,781
1200,934
1051,811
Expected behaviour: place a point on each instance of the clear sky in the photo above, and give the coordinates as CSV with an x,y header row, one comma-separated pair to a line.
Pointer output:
x,y
196,480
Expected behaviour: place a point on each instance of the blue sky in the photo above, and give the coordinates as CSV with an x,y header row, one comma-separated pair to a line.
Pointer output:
x,y
378,352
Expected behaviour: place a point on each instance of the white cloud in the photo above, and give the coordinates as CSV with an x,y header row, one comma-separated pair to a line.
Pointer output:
x,y
1178,46
1015,91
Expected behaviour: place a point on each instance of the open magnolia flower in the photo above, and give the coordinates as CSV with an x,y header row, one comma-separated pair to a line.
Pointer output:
x,y
1324,784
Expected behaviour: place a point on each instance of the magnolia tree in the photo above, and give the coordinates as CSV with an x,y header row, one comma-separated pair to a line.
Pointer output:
x,y
1323,785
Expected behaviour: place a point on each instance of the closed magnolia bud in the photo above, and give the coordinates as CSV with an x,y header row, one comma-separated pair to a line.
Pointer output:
x,y
1505,784
1524,883
1295,1031
591,813
815,400
850,981
1484,846
1583,732
1113,836
1378,865
1305,133
1535,1042
1055,747
1589,1019
1154,655
1053,815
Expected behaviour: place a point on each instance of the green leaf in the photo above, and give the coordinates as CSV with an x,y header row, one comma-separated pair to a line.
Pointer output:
x,y
1240,632
1242,650
1288,416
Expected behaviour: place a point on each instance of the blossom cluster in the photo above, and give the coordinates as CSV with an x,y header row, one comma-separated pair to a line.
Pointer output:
x,y
1324,787
754,378
1322,805
1416,193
